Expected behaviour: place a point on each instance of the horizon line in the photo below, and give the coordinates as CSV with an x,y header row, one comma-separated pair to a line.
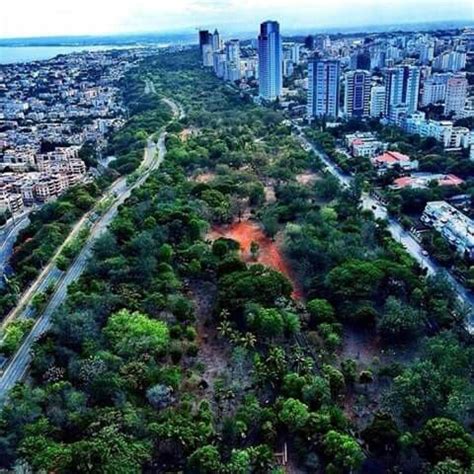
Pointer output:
x,y
188,30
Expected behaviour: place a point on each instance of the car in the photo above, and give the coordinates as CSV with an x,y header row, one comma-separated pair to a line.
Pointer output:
x,y
374,207
424,253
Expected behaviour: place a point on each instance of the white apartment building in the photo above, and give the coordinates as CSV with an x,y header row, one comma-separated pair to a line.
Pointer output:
x,y
453,225
434,89
456,93
377,101
452,138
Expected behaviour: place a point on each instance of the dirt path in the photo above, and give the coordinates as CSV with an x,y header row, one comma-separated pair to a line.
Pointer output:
x,y
213,354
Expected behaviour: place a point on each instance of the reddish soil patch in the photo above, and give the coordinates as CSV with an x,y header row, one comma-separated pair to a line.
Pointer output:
x,y
245,233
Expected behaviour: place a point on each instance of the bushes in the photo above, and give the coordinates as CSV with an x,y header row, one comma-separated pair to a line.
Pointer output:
x,y
14,334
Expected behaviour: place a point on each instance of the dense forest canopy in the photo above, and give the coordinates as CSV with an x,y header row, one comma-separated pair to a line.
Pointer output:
x,y
176,351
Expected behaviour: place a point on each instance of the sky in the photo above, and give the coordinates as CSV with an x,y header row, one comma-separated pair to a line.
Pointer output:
x,y
29,18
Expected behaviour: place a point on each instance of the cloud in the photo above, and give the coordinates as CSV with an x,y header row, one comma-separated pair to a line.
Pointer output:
x,y
59,17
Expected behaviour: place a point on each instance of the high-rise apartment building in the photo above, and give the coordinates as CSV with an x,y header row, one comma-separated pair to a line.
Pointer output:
x,y
232,52
357,94
426,53
434,89
295,53
450,61
402,88
219,59
270,61
323,88
456,92
377,101
207,55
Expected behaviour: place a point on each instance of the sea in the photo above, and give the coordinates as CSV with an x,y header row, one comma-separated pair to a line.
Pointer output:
x,y
24,54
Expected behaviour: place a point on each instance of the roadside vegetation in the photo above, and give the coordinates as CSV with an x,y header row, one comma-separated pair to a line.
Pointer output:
x,y
52,223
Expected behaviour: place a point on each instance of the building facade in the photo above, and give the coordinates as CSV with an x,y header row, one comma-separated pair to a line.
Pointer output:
x,y
456,93
232,53
402,88
357,94
323,88
270,58
377,101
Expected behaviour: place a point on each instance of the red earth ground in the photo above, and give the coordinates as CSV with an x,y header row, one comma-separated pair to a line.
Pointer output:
x,y
270,255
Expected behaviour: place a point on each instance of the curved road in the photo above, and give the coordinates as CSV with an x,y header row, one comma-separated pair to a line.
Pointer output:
x,y
8,236
410,244
18,365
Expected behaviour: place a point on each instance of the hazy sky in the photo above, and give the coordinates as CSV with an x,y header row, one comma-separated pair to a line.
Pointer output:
x,y
72,17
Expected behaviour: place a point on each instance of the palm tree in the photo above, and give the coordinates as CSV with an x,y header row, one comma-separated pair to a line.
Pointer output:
x,y
225,329
248,340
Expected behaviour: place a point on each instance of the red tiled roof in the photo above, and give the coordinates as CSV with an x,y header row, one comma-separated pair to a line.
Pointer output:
x,y
403,182
391,157
450,180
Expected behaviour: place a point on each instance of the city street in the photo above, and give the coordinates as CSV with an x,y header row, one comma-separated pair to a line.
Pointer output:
x,y
398,233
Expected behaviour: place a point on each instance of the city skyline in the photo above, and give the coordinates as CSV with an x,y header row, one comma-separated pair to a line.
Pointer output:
x,y
53,18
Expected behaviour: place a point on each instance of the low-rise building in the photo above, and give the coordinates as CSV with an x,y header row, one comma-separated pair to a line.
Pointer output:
x,y
394,159
364,144
423,180
453,225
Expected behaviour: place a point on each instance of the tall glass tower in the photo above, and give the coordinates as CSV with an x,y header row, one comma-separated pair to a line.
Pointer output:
x,y
270,60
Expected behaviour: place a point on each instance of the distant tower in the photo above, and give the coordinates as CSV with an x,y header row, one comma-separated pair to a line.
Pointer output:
x,y
270,61
204,38
309,42
216,40
232,51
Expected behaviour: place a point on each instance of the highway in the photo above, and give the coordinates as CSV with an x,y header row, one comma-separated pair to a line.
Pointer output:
x,y
18,365
402,236
9,233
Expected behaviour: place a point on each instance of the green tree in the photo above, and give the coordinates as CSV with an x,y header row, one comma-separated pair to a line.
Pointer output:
x,y
131,334
343,450
400,322
205,460
294,414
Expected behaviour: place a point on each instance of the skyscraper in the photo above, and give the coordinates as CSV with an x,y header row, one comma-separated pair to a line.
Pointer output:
x,y
357,94
402,87
270,60
323,88
309,42
456,92
204,38
232,52
216,40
